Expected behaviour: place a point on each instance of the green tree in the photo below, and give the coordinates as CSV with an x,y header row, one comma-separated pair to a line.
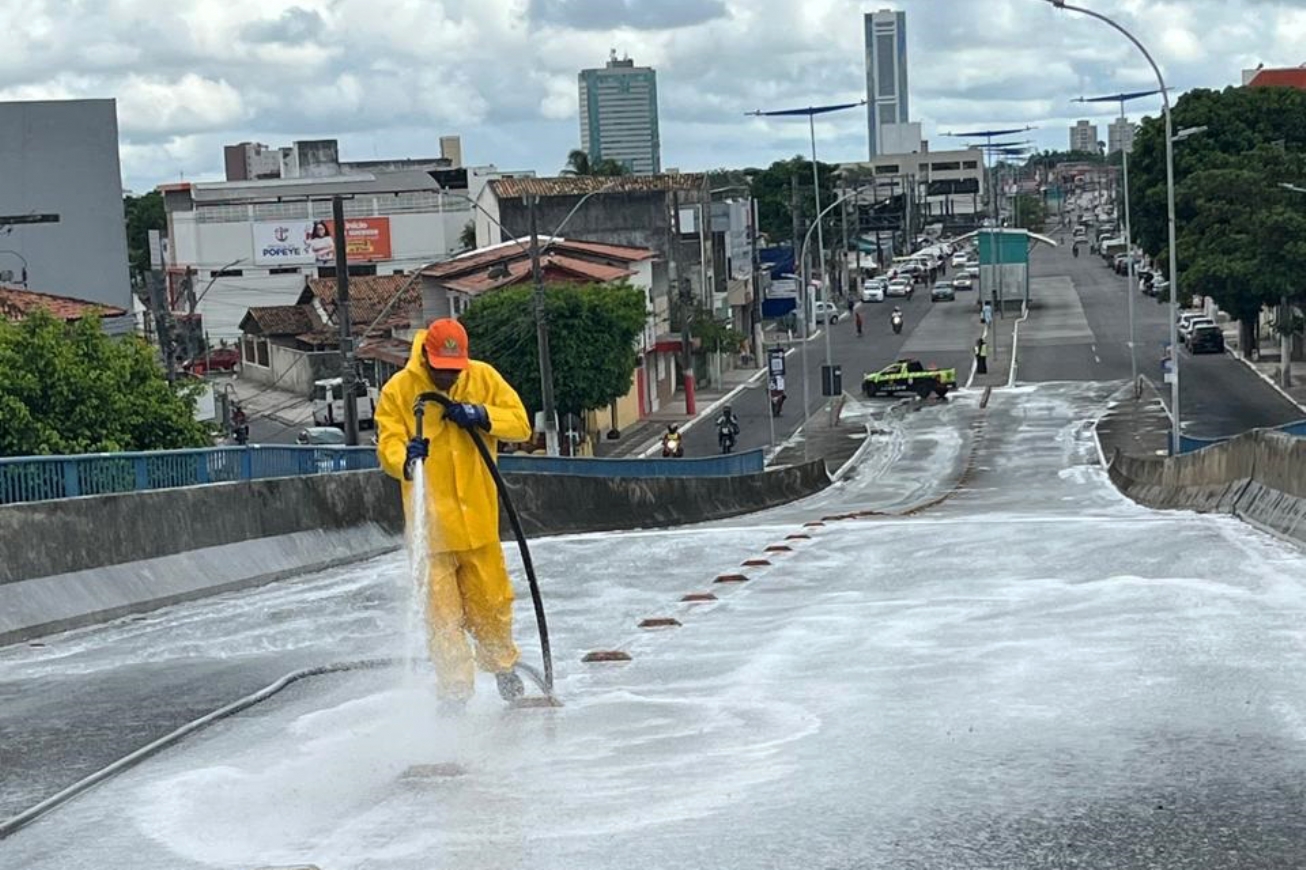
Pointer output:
x,y
467,238
1030,213
143,213
68,388
592,334
579,163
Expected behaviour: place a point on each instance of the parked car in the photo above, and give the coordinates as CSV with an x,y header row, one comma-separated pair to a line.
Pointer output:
x,y
1189,319
963,281
900,287
827,312
328,435
942,292
1206,339
873,291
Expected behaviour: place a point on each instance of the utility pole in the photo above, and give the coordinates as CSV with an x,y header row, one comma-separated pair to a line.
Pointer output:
x,y
759,336
797,215
549,409
347,373
685,298
162,327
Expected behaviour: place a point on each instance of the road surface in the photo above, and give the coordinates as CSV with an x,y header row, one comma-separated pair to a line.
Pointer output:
x,y
1032,673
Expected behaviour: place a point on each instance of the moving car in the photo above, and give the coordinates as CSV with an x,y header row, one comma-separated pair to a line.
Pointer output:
x,y
317,435
909,375
873,291
963,281
943,292
1206,339
959,259
900,287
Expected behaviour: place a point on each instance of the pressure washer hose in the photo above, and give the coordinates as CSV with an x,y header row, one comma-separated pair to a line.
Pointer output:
x,y
514,520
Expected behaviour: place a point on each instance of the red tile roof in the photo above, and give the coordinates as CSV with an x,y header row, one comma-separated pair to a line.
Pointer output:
x,y
1290,77
16,303
369,295
598,249
556,267
579,185
279,320
514,257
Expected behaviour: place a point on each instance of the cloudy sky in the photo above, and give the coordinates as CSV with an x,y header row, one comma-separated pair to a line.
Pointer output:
x,y
388,77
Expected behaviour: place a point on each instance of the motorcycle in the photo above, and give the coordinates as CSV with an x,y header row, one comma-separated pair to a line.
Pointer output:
x,y
725,436
671,446
896,321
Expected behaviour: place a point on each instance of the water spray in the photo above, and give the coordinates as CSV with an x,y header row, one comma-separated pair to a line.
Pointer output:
x,y
545,679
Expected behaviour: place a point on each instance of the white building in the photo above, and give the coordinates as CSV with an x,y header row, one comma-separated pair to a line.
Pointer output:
x,y
945,182
619,115
1083,137
886,76
1120,135
237,245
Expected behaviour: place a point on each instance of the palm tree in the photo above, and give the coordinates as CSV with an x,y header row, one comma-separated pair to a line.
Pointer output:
x,y
579,163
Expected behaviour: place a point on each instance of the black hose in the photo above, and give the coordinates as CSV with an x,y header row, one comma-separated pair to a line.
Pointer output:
x,y
514,520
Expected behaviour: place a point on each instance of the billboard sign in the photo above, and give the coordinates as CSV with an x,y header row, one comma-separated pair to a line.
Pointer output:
x,y
308,243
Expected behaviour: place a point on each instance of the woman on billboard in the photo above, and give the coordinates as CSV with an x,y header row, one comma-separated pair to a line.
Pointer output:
x,y
321,244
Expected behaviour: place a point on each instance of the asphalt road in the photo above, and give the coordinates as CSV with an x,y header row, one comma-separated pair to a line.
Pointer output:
x,y
877,347
1219,396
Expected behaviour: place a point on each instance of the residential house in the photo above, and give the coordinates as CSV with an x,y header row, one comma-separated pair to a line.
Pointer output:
x,y
448,289
17,303
671,214
291,346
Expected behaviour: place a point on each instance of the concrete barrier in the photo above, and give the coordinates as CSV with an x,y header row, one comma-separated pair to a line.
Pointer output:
x,y
1259,476
78,561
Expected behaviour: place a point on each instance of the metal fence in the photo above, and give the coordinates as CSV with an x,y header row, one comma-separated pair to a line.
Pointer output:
x,y
1188,443
728,465
42,478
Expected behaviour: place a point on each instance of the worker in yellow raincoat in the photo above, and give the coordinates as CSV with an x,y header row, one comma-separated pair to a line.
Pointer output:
x,y
470,592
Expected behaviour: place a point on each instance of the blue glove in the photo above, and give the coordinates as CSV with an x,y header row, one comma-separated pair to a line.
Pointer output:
x,y
418,450
468,416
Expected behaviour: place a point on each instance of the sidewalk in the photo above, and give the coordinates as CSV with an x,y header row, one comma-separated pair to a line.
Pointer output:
x,y
999,337
1267,365
1135,426
288,409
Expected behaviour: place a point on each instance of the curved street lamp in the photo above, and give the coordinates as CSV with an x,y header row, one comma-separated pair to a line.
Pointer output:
x,y
24,261
1173,374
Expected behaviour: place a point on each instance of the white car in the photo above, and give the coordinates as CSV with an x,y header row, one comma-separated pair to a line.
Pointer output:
x,y
959,259
827,312
900,287
1190,322
963,281
873,292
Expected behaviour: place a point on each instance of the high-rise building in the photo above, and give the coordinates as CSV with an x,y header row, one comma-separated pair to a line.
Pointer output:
x,y
619,115
886,73
1120,135
1083,137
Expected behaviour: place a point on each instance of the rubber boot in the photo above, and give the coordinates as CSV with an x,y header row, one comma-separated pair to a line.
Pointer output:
x,y
510,685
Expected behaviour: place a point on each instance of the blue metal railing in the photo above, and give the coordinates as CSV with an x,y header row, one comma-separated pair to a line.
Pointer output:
x,y
1188,443
729,465
42,478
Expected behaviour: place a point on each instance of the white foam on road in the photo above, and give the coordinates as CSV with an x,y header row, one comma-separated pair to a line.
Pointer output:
x,y
885,693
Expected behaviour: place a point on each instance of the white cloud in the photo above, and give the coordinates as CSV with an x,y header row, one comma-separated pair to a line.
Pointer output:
x,y
387,77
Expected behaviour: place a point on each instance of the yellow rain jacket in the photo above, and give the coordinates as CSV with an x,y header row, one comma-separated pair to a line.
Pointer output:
x,y
462,502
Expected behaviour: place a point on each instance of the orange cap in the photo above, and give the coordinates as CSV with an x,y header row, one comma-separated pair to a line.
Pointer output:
x,y
446,344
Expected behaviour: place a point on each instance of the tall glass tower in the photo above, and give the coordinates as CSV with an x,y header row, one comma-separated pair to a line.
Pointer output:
x,y
886,73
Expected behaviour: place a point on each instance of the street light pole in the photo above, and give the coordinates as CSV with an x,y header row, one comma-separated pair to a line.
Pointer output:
x,y
342,315
1175,442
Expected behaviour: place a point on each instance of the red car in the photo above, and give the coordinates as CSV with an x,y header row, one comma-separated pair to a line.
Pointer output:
x,y
222,359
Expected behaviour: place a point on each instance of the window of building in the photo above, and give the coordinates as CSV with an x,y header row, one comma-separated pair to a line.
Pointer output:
x,y
254,351
284,270
226,273
945,166
886,84
969,164
887,169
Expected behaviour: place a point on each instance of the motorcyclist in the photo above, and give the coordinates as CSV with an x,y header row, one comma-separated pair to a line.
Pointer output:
x,y
895,319
727,428
671,444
